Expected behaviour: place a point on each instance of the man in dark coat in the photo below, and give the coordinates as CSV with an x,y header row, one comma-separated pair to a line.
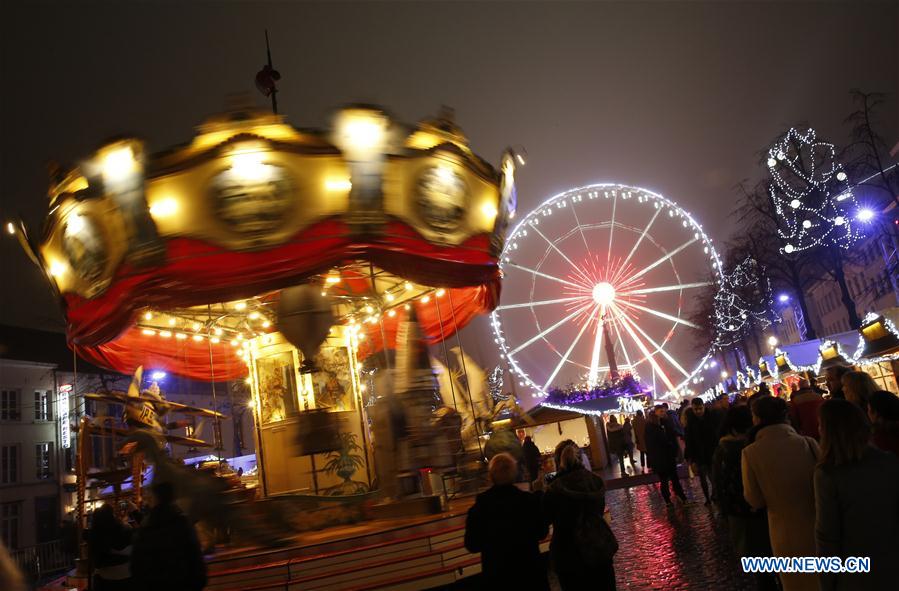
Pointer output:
x,y
166,552
662,451
532,458
701,438
506,525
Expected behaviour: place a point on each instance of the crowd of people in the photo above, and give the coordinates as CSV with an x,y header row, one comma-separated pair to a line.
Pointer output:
x,y
811,472
155,548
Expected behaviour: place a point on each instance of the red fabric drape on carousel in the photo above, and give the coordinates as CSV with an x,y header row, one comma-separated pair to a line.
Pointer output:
x,y
186,358
435,317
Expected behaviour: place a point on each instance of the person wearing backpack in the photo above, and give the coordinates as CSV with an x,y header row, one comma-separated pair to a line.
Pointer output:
x,y
583,544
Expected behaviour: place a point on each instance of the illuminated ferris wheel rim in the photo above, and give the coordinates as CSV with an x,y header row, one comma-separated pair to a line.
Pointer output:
x,y
593,192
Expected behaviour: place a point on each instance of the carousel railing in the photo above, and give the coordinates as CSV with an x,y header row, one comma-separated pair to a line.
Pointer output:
x,y
43,559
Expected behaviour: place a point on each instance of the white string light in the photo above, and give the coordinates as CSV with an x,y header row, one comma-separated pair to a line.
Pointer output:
x,y
811,193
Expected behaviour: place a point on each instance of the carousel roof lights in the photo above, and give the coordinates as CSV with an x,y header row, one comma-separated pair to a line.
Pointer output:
x,y
440,292
58,268
148,331
148,315
266,324
10,228
165,333
254,315
338,185
119,164
180,336
425,299
172,322
215,340
164,208
240,306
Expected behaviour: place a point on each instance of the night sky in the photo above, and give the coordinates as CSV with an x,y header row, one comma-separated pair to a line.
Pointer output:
x,y
674,97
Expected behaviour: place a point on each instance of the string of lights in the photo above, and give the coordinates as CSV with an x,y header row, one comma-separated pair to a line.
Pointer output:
x,y
744,300
811,193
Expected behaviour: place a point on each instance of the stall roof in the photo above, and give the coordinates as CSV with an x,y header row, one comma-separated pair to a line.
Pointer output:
x,y
543,415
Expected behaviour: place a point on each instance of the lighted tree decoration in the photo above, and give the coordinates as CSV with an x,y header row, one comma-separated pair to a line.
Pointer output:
x,y
814,202
743,304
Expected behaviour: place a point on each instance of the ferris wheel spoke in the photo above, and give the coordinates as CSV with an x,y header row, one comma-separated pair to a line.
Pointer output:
x,y
545,276
661,260
593,376
556,248
580,228
621,342
642,236
659,348
545,332
649,356
667,288
539,303
565,357
674,319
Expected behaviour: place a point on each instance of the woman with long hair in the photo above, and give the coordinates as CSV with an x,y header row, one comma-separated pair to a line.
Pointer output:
x,y
858,387
856,500
109,543
582,545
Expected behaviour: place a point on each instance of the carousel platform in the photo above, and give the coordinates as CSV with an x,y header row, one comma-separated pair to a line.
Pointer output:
x,y
417,552
398,553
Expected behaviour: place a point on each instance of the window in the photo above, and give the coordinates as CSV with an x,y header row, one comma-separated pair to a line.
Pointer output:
x,y
43,411
9,464
9,523
882,373
9,405
43,453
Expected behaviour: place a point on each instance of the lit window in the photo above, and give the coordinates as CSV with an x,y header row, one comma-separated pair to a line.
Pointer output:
x,y
42,406
43,453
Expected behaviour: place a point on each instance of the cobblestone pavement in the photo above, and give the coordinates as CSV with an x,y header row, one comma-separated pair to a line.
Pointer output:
x,y
678,549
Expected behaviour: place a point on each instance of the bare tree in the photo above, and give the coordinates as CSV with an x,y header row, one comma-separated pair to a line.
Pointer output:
x,y
760,240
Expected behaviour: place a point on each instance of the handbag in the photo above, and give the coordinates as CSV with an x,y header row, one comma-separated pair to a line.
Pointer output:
x,y
595,541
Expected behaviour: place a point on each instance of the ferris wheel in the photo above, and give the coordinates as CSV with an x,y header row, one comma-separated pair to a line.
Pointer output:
x,y
597,284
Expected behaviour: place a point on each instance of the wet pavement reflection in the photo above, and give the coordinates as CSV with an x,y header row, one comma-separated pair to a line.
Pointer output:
x,y
673,549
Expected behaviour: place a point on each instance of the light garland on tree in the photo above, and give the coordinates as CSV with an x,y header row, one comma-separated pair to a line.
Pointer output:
x,y
745,297
811,193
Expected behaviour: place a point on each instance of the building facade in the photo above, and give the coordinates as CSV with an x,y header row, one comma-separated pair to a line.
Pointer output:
x,y
30,471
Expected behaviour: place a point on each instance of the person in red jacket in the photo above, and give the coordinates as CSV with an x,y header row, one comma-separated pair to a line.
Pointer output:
x,y
804,405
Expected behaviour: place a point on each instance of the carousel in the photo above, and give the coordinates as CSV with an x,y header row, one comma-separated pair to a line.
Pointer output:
x,y
316,266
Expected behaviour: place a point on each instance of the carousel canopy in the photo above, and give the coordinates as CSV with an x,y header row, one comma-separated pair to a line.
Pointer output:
x,y
173,260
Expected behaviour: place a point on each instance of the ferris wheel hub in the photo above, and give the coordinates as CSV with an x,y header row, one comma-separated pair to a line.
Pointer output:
x,y
603,293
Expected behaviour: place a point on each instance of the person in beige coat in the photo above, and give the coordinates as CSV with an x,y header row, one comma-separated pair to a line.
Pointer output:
x,y
778,475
